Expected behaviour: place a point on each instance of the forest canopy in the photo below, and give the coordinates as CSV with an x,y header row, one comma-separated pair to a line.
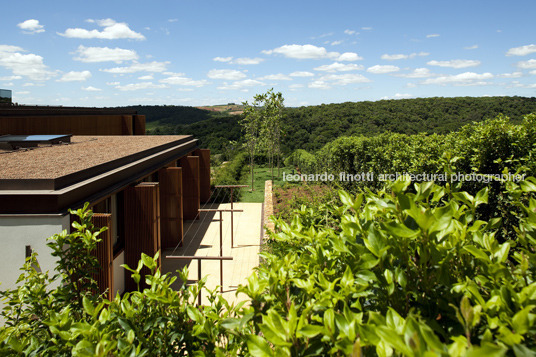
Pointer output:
x,y
311,127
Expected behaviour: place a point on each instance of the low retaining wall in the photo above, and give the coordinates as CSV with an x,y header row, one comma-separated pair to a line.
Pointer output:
x,y
268,209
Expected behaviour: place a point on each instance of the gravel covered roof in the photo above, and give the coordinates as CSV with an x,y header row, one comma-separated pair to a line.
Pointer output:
x,y
84,152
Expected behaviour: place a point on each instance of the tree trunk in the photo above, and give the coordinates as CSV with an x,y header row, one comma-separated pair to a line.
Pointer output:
x,y
251,168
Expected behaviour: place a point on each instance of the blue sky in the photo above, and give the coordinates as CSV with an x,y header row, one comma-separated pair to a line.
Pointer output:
x,y
112,53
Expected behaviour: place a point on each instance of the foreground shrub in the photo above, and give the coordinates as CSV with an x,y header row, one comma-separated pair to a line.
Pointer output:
x,y
232,173
409,271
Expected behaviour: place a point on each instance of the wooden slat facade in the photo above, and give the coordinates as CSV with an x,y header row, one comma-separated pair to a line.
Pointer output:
x,y
71,124
171,206
190,186
104,254
204,174
139,124
142,227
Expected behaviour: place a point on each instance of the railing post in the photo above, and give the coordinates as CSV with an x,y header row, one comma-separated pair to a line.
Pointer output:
x,y
199,279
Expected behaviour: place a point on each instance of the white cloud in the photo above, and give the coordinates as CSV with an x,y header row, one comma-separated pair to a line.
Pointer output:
x,y
521,51
29,84
31,27
112,31
336,43
311,52
74,76
322,35
366,28
301,74
432,35
184,81
276,77
344,79
349,57
381,69
399,96
339,67
533,72
173,20
530,64
146,78
139,67
458,63
141,85
239,85
319,84
510,75
395,57
91,89
517,84
24,64
350,32
462,79
104,54
247,61
10,78
296,86
473,47
222,59
228,74
302,52
417,73
112,83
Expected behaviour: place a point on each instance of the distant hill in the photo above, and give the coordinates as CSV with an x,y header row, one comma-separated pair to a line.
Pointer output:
x,y
231,108
163,115
312,127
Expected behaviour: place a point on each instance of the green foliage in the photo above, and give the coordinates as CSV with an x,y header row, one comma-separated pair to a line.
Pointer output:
x,y
495,146
303,160
310,128
43,320
231,173
261,125
410,271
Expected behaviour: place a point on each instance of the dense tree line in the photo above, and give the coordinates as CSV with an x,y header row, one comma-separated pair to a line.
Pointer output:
x,y
311,127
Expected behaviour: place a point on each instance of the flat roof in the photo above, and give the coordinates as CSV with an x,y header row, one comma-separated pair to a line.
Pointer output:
x,y
56,166
38,110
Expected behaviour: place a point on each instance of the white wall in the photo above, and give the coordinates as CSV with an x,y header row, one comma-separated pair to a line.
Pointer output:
x,y
119,274
16,232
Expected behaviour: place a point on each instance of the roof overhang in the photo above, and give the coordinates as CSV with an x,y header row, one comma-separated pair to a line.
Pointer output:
x,y
57,195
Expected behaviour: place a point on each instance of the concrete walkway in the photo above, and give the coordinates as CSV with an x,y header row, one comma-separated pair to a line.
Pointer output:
x,y
202,238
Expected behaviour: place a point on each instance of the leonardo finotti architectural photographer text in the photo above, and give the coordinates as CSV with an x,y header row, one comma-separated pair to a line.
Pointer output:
x,y
420,177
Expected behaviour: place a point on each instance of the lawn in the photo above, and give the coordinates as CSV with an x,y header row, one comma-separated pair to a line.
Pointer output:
x,y
261,175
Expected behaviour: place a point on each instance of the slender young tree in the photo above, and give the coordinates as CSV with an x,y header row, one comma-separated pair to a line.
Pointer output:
x,y
262,127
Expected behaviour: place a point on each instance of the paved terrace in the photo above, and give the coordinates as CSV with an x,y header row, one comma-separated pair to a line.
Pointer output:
x,y
202,238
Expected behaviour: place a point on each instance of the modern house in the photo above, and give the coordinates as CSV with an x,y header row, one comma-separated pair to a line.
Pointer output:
x,y
56,158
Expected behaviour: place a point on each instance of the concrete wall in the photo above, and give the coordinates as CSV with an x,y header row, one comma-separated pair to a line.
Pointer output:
x,y
119,274
16,232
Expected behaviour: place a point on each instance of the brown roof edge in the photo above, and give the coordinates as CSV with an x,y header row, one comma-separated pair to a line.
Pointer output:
x,y
78,176
92,189
24,110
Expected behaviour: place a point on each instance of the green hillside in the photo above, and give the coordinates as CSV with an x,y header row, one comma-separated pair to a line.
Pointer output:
x,y
311,127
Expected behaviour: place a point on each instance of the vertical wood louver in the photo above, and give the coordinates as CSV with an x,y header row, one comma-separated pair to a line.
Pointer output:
x,y
204,174
190,186
104,254
142,227
171,206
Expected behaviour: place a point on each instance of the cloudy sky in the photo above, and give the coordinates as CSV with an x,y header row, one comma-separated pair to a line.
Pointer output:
x,y
187,52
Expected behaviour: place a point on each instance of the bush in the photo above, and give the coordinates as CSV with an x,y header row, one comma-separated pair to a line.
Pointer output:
x,y
232,173
409,271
